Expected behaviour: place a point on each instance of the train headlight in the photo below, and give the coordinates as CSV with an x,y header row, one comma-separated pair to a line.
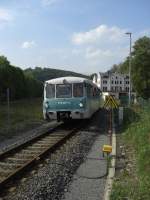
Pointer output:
x,y
81,105
46,105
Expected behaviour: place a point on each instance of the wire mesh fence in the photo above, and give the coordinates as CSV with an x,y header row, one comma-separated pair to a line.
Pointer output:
x,y
17,116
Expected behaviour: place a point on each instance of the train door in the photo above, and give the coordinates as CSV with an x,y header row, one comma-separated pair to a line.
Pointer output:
x,y
89,98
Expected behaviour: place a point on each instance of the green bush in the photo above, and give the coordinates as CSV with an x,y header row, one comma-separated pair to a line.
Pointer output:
x,y
136,132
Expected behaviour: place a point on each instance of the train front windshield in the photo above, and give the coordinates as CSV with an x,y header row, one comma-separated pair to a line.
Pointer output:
x,y
63,91
50,91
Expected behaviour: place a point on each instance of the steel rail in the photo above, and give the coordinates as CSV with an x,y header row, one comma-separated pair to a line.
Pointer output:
x,y
15,162
31,139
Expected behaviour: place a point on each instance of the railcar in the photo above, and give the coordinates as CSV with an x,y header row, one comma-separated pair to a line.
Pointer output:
x,y
70,98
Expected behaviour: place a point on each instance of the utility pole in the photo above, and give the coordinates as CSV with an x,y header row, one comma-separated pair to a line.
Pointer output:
x,y
130,37
8,108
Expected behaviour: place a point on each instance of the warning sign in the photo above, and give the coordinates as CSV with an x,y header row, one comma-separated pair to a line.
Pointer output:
x,y
111,102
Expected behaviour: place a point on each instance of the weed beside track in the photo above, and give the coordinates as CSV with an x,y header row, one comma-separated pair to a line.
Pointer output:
x,y
133,179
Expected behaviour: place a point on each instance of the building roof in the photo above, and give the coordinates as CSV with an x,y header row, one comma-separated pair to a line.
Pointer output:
x,y
110,74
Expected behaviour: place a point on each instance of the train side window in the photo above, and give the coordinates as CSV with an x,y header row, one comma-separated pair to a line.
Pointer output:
x,y
78,90
89,91
50,91
94,91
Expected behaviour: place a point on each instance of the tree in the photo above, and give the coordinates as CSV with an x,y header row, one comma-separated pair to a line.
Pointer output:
x,y
122,68
4,77
43,74
3,61
141,67
114,68
19,84
34,88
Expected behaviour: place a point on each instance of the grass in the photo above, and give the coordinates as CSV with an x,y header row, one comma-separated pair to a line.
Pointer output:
x,y
136,136
23,115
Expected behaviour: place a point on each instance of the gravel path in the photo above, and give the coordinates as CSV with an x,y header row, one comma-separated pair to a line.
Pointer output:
x,y
51,179
89,180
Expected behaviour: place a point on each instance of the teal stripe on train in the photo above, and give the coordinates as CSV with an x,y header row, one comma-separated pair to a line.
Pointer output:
x,y
66,104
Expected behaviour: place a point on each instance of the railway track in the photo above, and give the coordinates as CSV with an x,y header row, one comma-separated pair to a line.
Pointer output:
x,y
18,160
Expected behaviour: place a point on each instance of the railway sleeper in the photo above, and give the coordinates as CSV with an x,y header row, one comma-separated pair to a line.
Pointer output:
x,y
2,178
5,172
30,152
47,140
51,139
37,147
4,175
9,165
18,160
42,145
58,133
55,136
33,150
24,156
47,145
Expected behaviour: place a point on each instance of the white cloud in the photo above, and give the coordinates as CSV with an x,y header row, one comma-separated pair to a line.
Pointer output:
x,y
49,2
5,15
101,47
142,33
28,44
95,53
102,33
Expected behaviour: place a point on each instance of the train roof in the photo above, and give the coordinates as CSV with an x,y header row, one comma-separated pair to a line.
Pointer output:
x,y
70,79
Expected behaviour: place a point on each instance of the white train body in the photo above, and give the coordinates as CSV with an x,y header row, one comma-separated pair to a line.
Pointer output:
x,y
70,98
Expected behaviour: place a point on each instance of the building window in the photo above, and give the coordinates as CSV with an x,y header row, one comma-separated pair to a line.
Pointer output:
x,y
127,89
104,82
104,89
105,76
120,82
112,82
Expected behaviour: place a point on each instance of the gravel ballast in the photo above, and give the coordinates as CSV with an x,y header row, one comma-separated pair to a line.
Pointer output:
x,y
51,179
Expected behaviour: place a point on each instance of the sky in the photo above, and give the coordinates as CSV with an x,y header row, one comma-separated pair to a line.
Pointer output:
x,y
85,36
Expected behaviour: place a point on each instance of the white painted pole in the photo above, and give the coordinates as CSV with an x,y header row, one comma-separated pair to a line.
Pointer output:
x,y
8,108
130,35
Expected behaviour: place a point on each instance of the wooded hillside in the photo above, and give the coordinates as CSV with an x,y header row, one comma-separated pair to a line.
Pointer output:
x,y
43,74
26,83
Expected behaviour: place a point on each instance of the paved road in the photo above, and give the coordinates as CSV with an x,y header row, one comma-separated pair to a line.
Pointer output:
x,y
83,188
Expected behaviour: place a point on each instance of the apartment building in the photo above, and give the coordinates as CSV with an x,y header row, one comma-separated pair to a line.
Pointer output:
x,y
113,84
